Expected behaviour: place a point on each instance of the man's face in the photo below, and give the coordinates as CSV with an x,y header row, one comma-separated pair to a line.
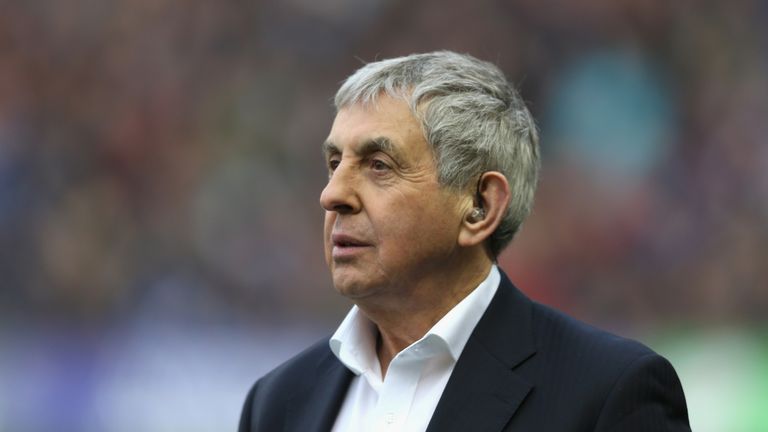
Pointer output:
x,y
389,225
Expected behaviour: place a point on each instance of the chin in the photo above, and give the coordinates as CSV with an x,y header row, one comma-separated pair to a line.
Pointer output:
x,y
351,286
349,290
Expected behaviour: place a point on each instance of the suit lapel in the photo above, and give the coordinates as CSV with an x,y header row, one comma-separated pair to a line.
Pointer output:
x,y
317,408
484,391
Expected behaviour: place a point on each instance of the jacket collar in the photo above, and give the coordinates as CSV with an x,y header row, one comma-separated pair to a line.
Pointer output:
x,y
484,391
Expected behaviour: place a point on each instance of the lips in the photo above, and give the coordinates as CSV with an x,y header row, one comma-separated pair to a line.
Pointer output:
x,y
344,240
347,246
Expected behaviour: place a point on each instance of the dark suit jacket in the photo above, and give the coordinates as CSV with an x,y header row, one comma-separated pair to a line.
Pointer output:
x,y
526,368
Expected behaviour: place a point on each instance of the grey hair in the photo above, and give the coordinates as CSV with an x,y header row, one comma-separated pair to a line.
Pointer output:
x,y
472,116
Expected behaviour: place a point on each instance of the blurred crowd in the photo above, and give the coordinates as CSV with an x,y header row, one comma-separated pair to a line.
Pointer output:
x,y
160,159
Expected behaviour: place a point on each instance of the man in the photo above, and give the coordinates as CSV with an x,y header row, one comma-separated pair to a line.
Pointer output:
x,y
433,162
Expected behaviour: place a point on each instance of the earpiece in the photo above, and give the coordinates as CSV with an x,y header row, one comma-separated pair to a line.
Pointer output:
x,y
478,214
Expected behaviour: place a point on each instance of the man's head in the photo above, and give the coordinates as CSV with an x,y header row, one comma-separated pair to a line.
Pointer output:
x,y
472,117
432,160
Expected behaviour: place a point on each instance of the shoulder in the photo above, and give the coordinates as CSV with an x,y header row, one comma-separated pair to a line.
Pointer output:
x,y
296,373
580,356
617,383
513,319
270,395
558,334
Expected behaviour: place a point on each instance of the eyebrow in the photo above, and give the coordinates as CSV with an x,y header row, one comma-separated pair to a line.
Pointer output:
x,y
382,144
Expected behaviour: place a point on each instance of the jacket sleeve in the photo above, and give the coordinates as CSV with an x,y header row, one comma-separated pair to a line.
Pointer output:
x,y
646,397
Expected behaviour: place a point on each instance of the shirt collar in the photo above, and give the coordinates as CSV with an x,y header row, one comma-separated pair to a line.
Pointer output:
x,y
459,323
354,342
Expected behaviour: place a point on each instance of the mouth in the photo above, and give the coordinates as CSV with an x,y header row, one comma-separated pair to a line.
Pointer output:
x,y
346,246
343,240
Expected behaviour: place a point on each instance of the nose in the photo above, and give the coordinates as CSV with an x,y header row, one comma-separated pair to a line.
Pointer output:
x,y
340,194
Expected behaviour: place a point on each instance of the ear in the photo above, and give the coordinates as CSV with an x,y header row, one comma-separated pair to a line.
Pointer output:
x,y
493,196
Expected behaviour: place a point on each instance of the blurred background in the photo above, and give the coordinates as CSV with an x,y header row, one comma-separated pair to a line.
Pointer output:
x,y
160,168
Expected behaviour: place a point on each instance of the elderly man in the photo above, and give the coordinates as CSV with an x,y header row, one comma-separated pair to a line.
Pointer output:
x,y
432,166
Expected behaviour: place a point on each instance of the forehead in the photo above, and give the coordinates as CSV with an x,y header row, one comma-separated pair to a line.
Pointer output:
x,y
387,118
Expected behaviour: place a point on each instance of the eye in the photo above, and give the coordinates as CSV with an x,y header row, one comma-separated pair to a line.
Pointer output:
x,y
333,164
379,165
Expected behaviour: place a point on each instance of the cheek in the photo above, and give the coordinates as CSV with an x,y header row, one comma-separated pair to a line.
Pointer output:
x,y
410,233
434,228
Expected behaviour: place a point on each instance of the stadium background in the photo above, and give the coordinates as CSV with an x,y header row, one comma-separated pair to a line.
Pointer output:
x,y
160,236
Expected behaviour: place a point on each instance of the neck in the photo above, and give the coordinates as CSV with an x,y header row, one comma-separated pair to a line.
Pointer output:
x,y
407,318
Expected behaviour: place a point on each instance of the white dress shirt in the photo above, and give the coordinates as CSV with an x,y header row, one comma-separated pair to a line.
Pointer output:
x,y
416,377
